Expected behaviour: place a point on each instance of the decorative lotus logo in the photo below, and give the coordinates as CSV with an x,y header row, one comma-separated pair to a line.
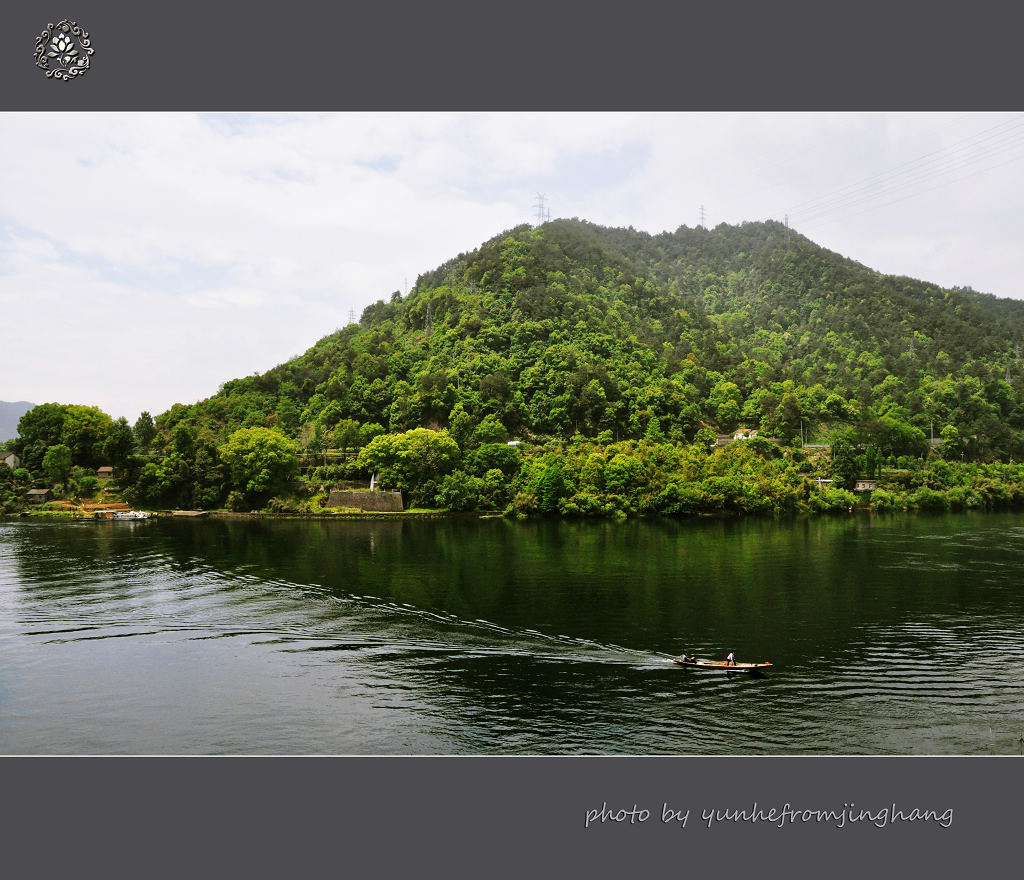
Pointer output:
x,y
63,50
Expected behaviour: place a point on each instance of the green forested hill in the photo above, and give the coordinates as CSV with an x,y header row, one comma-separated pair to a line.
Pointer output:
x,y
574,328
618,359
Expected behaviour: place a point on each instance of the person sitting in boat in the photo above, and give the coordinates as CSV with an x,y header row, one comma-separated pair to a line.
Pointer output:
x,y
731,659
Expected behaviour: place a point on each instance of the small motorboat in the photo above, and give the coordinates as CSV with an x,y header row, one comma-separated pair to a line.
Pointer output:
x,y
722,665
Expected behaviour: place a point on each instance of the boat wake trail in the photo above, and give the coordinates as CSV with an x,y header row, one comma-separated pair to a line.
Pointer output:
x,y
297,617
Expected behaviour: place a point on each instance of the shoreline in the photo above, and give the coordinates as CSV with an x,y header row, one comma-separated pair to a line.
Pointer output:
x,y
256,514
359,515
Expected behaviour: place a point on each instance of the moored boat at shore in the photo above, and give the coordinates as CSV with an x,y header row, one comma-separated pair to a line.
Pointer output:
x,y
110,515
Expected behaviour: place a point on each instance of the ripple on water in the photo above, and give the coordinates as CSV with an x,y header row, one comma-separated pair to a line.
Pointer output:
x,y
577,666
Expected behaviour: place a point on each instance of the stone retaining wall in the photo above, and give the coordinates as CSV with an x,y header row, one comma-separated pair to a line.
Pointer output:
x,y
376,501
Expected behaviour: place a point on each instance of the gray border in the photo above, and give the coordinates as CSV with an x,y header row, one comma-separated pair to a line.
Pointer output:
x,y
529,55
495,817
492,816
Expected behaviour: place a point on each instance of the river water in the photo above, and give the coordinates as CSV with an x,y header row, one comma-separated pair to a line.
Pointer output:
x,y
888,635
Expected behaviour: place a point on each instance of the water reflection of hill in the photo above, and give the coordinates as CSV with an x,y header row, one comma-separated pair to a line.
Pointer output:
x,y
491,636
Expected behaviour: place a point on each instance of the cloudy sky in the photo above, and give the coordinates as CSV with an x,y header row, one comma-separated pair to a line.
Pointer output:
x,y
146,258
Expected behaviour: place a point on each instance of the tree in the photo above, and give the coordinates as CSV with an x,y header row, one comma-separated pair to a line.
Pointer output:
x,y
144,430
39,429
414,462
288,412
83,429
261,462
787,416
368,431
490,430
495,387
346,434
654,432
57,463
704,438
725,401
86,428
460,491
494,456
405,407
550,488
183,440
872,461
952,445
461,426
895,437
845,466
317,444
592,405
120,444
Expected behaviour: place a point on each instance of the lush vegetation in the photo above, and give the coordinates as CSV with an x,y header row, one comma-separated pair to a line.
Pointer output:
x,y
615,358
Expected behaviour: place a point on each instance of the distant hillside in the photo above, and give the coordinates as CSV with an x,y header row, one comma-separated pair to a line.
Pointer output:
x,y
10,414
572,328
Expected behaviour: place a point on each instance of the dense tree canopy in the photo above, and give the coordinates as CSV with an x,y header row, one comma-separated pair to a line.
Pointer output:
x,y
261,461
83,429
57,463
617,358
571,327
413,462
144,430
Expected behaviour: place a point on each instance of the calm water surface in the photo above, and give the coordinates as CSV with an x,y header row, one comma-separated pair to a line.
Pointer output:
x,y
889,635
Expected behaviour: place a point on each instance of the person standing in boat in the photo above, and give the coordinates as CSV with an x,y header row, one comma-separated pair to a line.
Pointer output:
x,y
731,659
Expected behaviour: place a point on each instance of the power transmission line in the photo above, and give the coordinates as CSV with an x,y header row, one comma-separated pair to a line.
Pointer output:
x,y
912,195
983,136
963,154
798,161
924,176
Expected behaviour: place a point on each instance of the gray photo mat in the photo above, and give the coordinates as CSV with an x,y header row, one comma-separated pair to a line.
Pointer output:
x,y
506,817
457,55
467,816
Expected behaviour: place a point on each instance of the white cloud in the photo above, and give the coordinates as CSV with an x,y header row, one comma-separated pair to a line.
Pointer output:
x,y
201,248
